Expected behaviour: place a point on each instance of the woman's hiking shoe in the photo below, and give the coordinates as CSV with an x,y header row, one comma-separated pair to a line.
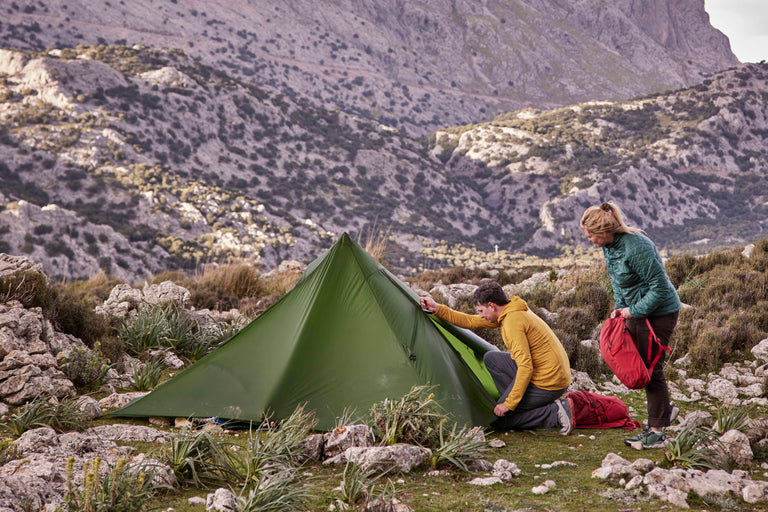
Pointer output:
x,y
565,415
646,439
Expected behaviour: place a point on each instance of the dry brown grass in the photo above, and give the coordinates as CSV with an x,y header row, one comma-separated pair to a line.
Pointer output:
x,y
375,242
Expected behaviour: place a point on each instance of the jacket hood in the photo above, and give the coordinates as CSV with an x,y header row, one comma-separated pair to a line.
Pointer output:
x,y
515,304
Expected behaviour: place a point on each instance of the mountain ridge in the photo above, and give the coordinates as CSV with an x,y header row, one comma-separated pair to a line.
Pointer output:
x,y
415,66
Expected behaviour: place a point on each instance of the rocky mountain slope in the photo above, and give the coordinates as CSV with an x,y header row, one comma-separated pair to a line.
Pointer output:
x,y
416,66
135,160
689,167
262,132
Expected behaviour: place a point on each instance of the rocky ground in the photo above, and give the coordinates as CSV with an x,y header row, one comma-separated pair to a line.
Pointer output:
x,y
32,352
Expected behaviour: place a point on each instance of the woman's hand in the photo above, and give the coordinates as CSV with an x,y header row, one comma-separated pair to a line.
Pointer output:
x,y
623,312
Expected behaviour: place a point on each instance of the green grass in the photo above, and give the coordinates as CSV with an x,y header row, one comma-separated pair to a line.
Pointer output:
x,y
576,490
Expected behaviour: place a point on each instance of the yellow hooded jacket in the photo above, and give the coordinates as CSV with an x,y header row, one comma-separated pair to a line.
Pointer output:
x,y
540,357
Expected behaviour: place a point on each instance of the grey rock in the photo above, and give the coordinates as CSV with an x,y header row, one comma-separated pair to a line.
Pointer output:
x,y
454,293
755,491
505,470
170,359
643,465
19,328
385,504
671,495
123,432
338,440
29,382
695,419
760,351
485,481
37,440
615,467
403,457
117,400
161,474
122,300
724,390
222,500
89,406
291,266
582,381
480,466
736,447
715,482
11,266
312,447
671,478
164,293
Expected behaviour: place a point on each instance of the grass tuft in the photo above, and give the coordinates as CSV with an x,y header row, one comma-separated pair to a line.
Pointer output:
x,y
415,418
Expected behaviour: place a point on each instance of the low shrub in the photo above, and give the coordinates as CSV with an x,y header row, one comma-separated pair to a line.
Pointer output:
x,y
696,448
30,288
62,416
357,487
72,313
147,375
730,418
199,458
540,296
591,297
144,331
281,491
222,287
121,487
170,326
86,368
577,322
8,451
459,448
414,418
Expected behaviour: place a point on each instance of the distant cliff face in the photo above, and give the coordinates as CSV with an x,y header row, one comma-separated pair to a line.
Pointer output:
x,y
411,65
141,136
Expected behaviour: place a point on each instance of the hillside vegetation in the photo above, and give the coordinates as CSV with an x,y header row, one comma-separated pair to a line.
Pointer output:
x,y
134,161
725,295
687,166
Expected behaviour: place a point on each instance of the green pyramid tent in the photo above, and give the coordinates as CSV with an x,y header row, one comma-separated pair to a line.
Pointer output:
x,y
349,334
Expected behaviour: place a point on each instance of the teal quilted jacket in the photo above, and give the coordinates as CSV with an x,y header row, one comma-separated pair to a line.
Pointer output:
x,y
638,277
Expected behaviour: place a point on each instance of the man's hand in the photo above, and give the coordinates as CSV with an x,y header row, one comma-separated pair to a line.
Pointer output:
x,y
501,410
428,303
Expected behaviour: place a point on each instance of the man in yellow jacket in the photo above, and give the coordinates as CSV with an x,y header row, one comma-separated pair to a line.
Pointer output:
x,y
533,375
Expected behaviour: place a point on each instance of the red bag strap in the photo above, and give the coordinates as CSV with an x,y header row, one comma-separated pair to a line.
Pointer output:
x,y
652,338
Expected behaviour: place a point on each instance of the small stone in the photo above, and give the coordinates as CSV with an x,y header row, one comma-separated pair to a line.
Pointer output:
x,y
496,443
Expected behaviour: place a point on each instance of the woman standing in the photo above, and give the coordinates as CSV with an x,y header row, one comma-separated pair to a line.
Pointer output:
x,y
641,289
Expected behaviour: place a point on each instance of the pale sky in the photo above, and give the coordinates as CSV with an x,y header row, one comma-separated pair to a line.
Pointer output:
x,y
745,22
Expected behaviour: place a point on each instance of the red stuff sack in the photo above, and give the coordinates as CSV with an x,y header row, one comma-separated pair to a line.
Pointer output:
x,y
592,410
619,351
